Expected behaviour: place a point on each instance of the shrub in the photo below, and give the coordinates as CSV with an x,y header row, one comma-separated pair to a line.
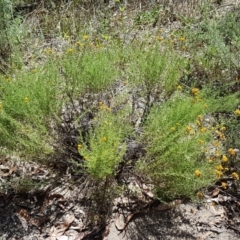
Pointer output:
x,y
104,147
177,143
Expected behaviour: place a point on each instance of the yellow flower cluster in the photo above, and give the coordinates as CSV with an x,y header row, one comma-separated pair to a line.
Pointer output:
x,y
48,51
188,129
182,39
85,37
224,158
237,112
195,91
224,185
203,129
219,174
104,139
231,151
70,50
198,173
235,176
102,106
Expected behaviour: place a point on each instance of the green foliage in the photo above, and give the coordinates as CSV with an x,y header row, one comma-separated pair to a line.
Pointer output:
x,y
5,48
87,69
155,67
177,143
104,148
28,102
213,46
147,17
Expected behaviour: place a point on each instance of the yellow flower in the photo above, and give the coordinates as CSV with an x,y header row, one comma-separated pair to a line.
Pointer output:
x,y
223,128
79,146
210,160
197,173
159,38
80,44
178,124
182,39
216,143
220,168
26,99
125,82
179,87
219,174
188,128
104,139
173,128
198,123
231,151
201,141
85,157
85,37
217,153
195,91
237,112
203,129
200,195
183,48
48,51
235,176
224,158
224,185
70,50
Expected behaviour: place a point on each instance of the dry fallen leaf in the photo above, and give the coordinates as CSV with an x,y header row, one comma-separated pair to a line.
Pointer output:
x,y
23,221
215,192
56,233
204,236
120,222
